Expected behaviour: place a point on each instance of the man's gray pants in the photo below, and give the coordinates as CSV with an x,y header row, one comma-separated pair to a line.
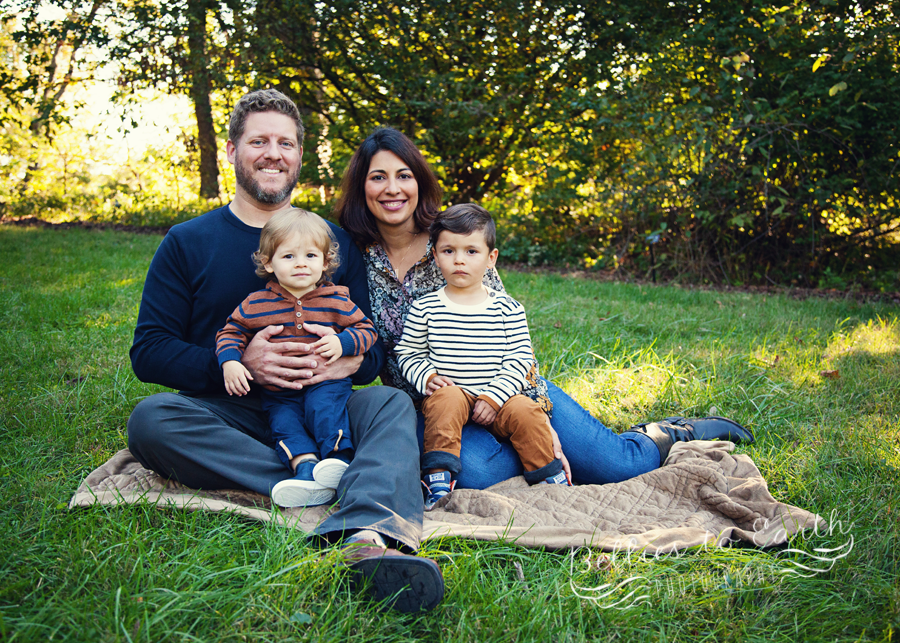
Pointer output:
x,y
223,442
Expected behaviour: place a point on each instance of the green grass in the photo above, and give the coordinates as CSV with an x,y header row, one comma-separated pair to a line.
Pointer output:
x,y
68,303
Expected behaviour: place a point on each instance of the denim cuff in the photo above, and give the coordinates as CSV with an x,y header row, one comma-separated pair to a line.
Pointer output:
x,y
546,471
442,460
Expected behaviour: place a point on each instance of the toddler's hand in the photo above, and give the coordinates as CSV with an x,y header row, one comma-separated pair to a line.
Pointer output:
x,y
318,329
330,347
436,382
483,413
237,378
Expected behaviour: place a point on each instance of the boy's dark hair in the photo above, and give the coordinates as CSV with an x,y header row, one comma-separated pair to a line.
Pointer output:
x,y
262,100
465,218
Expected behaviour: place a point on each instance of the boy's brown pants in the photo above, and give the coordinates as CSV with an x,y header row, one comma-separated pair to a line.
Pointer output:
x,y
521,420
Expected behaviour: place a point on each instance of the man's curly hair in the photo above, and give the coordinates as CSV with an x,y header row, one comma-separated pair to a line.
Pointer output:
x,y
262,100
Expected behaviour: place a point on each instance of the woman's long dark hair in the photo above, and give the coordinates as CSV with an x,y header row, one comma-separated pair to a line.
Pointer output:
x,y
351,210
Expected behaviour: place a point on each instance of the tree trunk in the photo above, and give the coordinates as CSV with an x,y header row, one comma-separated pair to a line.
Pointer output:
x,y
198,65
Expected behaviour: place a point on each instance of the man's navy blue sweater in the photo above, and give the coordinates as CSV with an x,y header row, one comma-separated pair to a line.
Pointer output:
x,y
201,271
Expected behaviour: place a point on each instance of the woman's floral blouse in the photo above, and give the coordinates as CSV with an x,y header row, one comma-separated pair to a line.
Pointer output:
x,y
391,300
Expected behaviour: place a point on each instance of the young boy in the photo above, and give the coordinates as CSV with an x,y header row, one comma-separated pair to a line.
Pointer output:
x,y
467,349
297,249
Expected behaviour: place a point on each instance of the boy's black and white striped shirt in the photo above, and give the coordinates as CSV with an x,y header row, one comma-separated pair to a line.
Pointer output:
x,y
485,349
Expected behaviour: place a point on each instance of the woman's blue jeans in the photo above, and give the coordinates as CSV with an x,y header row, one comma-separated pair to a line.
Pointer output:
x,y
596,454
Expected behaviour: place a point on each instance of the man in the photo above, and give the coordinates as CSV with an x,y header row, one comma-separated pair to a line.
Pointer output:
x,y
207,440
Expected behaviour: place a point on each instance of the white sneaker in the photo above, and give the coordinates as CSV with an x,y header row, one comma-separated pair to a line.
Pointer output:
x,y
301,490
329,472
301,493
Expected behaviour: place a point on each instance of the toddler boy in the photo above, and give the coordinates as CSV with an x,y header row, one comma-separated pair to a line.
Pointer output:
x,y
297,252
467,349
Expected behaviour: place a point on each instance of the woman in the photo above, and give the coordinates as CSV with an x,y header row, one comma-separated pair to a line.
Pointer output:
x,y
389,197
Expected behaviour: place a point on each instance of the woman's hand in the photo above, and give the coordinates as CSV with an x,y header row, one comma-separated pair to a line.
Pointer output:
x,y
558,453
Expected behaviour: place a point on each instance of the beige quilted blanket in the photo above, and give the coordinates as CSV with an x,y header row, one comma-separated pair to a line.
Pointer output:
x,y
705,495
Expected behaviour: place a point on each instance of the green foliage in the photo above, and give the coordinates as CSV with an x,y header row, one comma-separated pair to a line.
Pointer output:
x,y
761,140
755,143
747,146
82,176
43,57
173,46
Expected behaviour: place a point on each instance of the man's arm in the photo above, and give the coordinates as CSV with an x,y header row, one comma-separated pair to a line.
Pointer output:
x,y
352,274
161,352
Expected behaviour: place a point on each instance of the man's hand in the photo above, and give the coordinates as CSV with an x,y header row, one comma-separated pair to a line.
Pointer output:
x,y
278,363
318,329
330,370
236,378
483,413
436,382
293,365
330,347
344,367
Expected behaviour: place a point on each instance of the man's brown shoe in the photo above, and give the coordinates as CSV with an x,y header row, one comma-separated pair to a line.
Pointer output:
x,y
409,583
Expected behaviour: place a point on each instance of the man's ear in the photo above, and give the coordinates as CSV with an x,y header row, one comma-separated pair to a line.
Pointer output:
x,y
230,151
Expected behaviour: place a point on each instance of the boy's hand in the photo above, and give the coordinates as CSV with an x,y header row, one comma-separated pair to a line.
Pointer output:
x,y
236,378
330,347
436,382
319,329
483,413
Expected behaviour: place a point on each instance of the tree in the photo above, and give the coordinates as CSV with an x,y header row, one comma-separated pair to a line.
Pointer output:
x,y
477,84
42,59
193,47
52,53
767,135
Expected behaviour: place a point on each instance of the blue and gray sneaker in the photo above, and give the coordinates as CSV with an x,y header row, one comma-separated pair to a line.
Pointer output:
x,y
437,485
559,478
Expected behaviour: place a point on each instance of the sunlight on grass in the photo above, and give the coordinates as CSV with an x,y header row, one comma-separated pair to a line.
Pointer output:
x,y
631,388
875,337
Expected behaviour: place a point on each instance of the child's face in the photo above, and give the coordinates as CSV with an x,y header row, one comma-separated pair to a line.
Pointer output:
x,y
463,258
297,264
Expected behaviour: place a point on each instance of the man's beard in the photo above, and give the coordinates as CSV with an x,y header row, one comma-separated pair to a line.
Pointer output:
x,y
255,190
